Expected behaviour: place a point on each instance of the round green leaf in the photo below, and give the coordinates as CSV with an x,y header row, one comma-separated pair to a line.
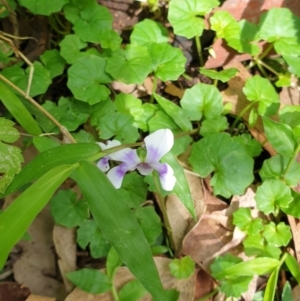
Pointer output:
x,y
53,61
182,268
277,23
85,76
93,19
67,210
90,280
131,65
148,31
277,235
70,48
228,159
7,132
202,100
168,63
271,195
184,16
223,75
43,7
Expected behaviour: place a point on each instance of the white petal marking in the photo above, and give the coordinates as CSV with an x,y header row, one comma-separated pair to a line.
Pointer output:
x,y
158,144
103,164
127,155
116,174
166,175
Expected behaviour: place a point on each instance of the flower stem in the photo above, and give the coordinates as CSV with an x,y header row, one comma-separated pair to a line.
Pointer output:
x,y
268,67
63,130
192,132
268,49
248,107
154,87
199,50
163,209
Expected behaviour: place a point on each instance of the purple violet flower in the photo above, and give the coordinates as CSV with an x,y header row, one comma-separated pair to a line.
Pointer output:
x,y
157,145
103,163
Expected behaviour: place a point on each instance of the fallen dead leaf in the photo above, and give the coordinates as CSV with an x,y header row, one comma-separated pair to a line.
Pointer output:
x,y
65,245
171,89
36,268
179,217
295,228
204,285
290,95
12,291
296,293
186,287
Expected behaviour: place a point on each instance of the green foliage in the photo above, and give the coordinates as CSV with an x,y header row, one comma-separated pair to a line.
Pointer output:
x,y
90,280
132,291
202,100
223,75
242,218
227,158
182,268
184,16
277,235
43,7
67,210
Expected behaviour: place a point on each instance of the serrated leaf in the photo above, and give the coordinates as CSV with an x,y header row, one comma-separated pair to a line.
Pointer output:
x,y
252,146
175,112
10,164
148,31
184,16
131,65
277,235
260,90
90,234
293,62
8,133
86,77
93,19
202,100
271,195
287,46
90,280
43,7
118,125
274,168
222,262
223,75
234,287
271,30
168,63
182,268
228,159
67,210
293,208
280,136
70,47
53,62
74,7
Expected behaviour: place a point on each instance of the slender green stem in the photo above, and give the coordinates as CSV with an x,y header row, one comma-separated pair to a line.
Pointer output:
x,y
63,130
187,77
213,292
268,67
114,293
154,87
199,50
163,209
192,132
261,69
289,165
248,107
268,49
215,82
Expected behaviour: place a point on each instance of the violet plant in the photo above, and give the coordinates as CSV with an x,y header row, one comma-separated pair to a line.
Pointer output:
x,y
90,55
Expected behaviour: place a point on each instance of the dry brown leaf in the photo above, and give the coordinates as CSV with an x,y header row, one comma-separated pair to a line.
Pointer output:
x,y
39,298
290,95
36,267
65,245
296,293
234,95
204,285
12,291
179,217
186,287
295,228
173,90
